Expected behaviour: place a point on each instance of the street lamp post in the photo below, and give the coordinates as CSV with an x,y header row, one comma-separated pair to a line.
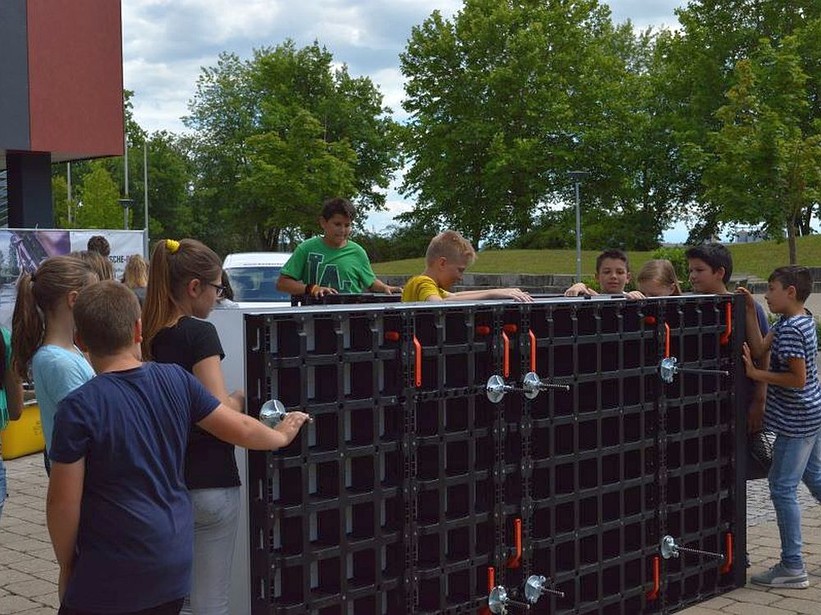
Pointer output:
x,y
125,204
576,177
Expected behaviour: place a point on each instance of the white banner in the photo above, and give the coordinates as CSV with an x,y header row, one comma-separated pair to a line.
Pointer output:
x,y
22,251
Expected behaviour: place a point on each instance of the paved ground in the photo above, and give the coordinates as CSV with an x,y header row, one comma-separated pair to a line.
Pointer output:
x,y
28,571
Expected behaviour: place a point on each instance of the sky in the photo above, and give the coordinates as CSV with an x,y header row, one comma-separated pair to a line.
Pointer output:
x,y
166,43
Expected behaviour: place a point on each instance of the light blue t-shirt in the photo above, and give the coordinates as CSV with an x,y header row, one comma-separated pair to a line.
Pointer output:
x,y
57,372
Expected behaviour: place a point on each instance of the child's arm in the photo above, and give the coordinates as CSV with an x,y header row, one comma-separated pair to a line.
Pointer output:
x,y
794,378
242,430
759,344
379,286
209,373
14,393
493,293
65,494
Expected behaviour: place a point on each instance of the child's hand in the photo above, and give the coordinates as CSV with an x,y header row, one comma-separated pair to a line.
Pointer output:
x,y
518,294
292,423
634,294
389,290
321,291
749,302
579,289
746,356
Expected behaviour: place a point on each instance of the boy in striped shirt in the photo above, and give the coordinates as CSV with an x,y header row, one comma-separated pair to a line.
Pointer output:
x,y
793,411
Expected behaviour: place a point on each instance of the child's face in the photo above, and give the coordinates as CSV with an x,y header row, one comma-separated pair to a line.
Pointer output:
x,y
336,230
655,288
451,271
613,275
778,298
209,293
703,279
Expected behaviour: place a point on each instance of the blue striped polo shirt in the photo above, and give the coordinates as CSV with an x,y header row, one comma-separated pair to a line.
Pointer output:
x,y
794,412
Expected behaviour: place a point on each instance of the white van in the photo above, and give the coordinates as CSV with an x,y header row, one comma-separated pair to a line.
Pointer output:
x,y
253,277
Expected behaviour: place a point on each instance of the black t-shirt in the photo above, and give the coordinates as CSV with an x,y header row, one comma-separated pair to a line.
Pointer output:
x,y
209,462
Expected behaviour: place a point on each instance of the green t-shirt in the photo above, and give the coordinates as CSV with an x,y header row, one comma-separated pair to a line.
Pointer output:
x,y
347,269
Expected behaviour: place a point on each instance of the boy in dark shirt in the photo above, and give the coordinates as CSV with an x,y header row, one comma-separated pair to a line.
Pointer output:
x,y
118,511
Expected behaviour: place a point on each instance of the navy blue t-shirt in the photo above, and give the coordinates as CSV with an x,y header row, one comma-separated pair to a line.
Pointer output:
x,y
135,540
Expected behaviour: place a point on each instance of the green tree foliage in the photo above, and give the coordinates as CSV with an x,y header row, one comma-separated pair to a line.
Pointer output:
x,y
697,69
767,164
98,196
281,132
507,97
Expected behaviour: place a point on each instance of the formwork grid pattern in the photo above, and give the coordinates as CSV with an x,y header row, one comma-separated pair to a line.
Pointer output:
x,y
413,492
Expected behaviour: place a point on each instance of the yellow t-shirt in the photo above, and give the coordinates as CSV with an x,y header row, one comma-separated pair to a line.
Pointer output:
x,y
420,287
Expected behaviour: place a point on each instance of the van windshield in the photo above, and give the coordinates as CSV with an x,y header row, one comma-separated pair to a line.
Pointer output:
x,y
256,284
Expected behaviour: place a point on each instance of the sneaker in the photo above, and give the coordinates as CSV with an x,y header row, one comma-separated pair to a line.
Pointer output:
x,y
780,576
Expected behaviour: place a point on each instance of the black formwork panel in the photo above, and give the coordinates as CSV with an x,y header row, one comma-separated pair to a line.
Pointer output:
x,y
326,512
414,492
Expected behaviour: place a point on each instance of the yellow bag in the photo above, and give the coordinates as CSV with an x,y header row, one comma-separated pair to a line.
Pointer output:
x,y
25,435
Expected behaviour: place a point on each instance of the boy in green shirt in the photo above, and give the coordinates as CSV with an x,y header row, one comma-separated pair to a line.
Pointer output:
x,y
332,263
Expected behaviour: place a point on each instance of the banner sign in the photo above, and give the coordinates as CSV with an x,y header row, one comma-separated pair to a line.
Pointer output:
x,y
22,251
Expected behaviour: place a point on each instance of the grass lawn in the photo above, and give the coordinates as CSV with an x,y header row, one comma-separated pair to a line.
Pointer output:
x,y
758,259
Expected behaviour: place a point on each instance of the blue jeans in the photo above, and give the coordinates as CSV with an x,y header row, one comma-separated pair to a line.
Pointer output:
x,y
794,459
216,516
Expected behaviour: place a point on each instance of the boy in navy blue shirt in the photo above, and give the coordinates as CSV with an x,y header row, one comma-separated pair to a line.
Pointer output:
x,y
793,411
118,512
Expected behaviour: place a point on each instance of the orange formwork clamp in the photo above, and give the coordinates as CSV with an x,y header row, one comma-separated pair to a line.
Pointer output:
x,y
506,355
417,345
532,337
650,321
728,327
515,560
491,583
727,566
653,594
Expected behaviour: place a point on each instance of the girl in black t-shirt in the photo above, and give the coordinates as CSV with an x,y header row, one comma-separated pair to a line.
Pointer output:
x,y
184,282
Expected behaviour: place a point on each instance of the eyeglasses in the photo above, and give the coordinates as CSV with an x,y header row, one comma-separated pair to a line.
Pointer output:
x,y
217,287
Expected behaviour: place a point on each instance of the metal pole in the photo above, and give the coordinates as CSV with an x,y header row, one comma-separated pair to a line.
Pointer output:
x,y
145,197
578,237
125,165
125,218
68,191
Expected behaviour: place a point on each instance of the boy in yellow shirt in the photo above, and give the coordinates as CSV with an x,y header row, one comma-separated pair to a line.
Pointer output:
x,y
448,255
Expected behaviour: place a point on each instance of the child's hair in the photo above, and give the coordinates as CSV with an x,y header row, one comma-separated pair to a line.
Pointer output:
x,y
614,254
715,255
794,275
100,244
659,270
37,296
338,205
173,265
99,263
105,315
450,245
135,274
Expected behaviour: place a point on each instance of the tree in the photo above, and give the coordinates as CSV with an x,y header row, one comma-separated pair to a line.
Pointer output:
x,y
696,71
277,134
98,195
505,98
767,165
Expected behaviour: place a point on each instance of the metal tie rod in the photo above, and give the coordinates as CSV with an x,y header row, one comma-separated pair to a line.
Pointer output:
x,y
496,387
498,601
668,368
669,548
273,412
